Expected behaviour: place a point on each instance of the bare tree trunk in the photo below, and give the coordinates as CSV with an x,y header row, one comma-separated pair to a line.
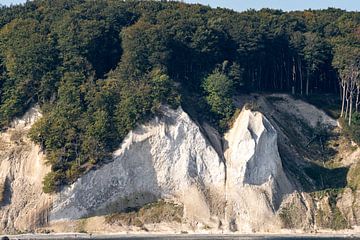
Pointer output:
x,y
281,83
300,73
307,82
293,78
352,91
357,98
350,111
259,77
340,87
343,97
347,101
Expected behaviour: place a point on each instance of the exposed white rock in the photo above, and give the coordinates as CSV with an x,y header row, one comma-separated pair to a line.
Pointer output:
x,y
27,120
22,169
238,180
167,158
171,158
304,111
256,181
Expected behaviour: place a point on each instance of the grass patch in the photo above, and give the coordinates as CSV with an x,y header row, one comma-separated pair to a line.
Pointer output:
x,y
329,215
2,192
290,216
352,132
325,178
234,117
252,106
353,177
157,212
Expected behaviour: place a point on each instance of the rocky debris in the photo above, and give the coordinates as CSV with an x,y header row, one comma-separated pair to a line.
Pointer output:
x,y
24,206
305,111
345,205
256,182
171,158
167,158
237,183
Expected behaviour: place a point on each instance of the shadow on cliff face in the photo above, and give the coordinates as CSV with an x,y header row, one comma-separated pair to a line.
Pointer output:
x,y
303,147
313,177
138,188
325,178
6,193
128,182
255,172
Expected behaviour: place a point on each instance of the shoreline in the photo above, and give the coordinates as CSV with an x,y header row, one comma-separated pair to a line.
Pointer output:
x,y
290,235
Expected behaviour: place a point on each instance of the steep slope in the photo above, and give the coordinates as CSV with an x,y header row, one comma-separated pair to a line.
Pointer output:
x,y
170,158
258,178
320,162
23,207
166,158
302,131
256,182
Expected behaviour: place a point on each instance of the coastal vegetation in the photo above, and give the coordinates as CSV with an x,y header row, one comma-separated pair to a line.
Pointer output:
x,y
99,68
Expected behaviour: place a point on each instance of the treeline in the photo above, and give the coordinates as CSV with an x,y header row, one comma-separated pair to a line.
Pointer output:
x,y
98,68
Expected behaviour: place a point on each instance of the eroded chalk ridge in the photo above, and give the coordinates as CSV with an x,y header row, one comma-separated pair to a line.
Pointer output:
x,y
239,186
167,158
171,158
256,182
23,205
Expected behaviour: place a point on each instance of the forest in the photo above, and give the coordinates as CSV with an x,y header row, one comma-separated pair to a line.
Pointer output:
x,y
98,68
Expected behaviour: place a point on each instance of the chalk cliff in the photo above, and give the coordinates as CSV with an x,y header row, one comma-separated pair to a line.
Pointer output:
x,y
233,183
256,182
167,158
23,205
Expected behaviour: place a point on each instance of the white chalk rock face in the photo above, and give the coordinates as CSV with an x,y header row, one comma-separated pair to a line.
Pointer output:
x,y
256,181
171,157
23,205
305,111
167,158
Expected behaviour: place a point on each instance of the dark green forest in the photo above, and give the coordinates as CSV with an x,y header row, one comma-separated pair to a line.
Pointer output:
x,y
98,68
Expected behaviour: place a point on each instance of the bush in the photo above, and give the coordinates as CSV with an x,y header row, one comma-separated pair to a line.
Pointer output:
x,y
218,94
352,131
52,182
2,192
353,176
219,90
157,212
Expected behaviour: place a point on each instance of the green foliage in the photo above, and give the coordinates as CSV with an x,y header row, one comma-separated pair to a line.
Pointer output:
x,y
353,131
163,89
353,177
2,192
52,182
315,51
143,99
98,68
29,58
151,213
355,121
219,91
328,214
290,216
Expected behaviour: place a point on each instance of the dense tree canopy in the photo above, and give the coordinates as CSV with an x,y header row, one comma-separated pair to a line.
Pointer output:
x,y
98,68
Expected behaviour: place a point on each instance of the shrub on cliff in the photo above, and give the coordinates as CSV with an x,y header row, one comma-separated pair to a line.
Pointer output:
x,y
98,68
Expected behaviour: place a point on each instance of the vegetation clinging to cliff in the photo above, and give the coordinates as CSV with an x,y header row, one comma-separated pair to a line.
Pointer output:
x,y
97,68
